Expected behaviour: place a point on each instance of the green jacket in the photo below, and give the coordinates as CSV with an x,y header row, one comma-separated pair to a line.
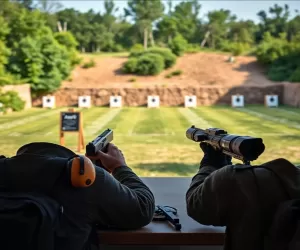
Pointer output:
x,y
242,198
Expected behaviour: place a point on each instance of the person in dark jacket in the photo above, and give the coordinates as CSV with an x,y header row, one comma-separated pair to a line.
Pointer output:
x,y
241,197
117,199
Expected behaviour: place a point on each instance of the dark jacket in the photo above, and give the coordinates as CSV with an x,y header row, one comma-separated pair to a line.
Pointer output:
x,y
120,200
242,198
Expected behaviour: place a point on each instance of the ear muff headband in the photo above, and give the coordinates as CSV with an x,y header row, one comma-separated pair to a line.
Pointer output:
x,y
82,171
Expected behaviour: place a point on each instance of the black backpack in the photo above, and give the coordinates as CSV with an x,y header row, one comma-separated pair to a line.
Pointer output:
x,y
29,221
33,221
284,232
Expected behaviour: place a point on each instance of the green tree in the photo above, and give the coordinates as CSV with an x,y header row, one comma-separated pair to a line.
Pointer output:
x,y
167,28
186,16
41,60
67,40
275,23
24,23
294,29
144,13
4,51
219,22
242,31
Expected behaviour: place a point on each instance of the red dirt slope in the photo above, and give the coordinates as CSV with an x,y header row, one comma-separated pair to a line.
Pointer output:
x,y
202,68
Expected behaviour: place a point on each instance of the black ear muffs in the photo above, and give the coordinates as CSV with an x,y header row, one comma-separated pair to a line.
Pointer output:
x,y
81,171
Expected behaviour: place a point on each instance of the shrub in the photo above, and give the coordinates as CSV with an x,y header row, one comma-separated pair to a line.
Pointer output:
x,y
236,48
147,58
89,64
132,80
168,56
117,48
177,72
130,66
174,73
11,99
178,45
271,49
239,48
193,48
286,68
136,50
149,64
67,39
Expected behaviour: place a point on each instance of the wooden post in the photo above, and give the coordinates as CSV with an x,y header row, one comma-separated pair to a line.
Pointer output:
x,y
61,133
80,134
81,131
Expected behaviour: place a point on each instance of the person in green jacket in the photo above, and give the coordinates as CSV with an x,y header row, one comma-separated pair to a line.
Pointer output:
x,y
118,198
240,197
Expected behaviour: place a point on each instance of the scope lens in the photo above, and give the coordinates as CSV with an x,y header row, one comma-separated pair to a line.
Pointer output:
x,y
248,147
252,148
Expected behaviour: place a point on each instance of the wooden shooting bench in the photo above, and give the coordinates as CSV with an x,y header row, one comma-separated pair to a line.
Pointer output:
x,y
167,192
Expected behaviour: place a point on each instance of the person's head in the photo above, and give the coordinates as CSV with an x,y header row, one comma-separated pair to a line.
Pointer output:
x,y
47,149
80,169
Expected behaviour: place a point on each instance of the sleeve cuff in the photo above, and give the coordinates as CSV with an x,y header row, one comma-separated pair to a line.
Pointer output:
x,y
120,170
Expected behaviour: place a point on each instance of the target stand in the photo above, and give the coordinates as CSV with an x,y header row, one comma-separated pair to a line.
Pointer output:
x,y
115,101
71,122
153,101
271,101
84,101
49,102
237,101
190,101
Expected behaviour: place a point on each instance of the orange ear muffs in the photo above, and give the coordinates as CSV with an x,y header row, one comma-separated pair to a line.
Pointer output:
x,y
82,171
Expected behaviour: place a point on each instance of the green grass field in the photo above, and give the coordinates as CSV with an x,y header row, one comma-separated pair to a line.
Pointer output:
x,y
153,140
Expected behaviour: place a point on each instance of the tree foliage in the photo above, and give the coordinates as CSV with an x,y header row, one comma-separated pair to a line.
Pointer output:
x,y
35,35
30,52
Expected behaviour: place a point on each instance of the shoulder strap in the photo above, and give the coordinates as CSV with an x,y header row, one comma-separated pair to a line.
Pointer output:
x,y
261,203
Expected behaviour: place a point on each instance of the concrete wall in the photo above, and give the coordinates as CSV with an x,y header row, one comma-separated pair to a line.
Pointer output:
x,y
206,95
23,91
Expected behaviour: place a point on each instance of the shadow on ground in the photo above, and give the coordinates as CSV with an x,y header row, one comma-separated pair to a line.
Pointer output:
x,y
175,169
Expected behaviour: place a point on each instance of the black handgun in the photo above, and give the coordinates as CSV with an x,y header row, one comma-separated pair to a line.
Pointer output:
x,y
244,148
100,143
169,214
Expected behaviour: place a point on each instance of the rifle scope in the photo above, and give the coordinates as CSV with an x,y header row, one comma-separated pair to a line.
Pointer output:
x,y
245,148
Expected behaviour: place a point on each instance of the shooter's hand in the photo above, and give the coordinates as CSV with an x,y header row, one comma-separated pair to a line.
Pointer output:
x,y
110,160
213,157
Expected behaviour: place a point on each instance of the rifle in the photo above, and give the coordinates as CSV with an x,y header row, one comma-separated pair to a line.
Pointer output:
x,y
99,143
244,148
